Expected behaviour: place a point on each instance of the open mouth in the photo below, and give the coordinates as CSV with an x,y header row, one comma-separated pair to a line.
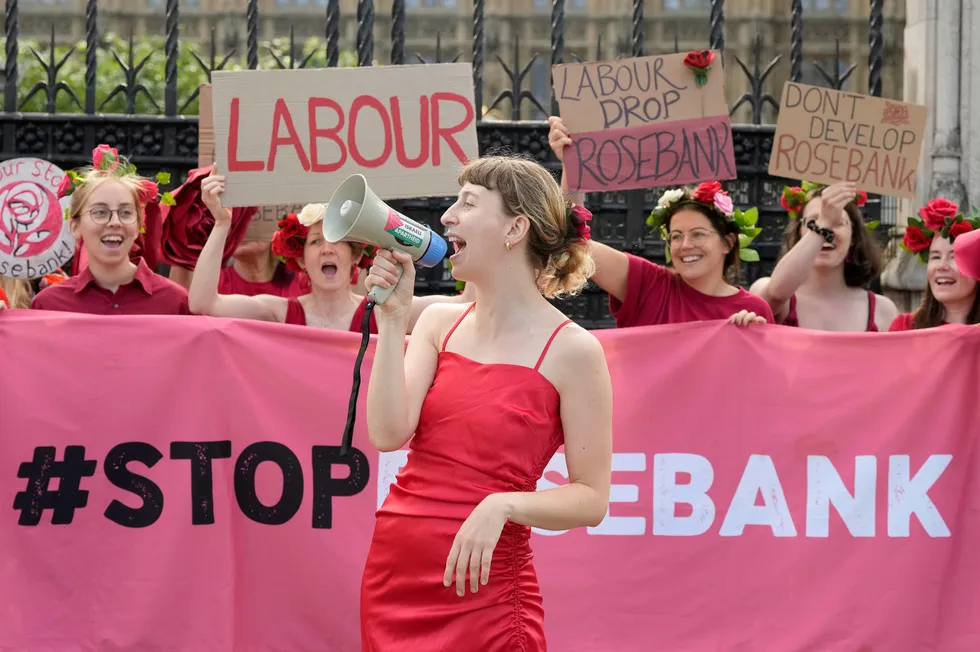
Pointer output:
x,y
828,247
690,260
112,241
329,270
945,282
458,244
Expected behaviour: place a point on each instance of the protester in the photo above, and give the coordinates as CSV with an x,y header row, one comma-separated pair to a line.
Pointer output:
x,y
106,214
827,260
330,268
490,392
703,243
950,296
254,270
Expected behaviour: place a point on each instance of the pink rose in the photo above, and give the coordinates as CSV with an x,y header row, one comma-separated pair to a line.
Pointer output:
x,y
100,152
724,204
65,187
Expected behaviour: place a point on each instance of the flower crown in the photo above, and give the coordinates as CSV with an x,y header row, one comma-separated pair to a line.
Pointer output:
x,y
106,161
710,195
288,241
794,199
939,217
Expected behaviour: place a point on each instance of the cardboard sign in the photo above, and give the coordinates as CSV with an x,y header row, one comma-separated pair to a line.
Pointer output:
x,y
35,238
824,135
292,136
644,122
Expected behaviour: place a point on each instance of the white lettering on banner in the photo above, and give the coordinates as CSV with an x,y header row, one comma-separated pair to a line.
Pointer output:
x,y
907,495
824,487
667,494
759,476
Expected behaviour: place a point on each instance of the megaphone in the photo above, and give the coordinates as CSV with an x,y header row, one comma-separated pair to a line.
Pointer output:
x,y
355,213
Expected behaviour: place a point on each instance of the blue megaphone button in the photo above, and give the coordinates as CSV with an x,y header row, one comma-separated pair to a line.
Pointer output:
x,y
435,252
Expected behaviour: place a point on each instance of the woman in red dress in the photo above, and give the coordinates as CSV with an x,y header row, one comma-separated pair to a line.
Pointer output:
x,y
703,240
827,260
331,269
484,395
950,296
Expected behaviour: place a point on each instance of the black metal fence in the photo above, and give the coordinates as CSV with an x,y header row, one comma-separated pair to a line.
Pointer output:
x,y
168,140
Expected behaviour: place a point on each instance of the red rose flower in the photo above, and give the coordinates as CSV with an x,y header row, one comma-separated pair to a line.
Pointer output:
x,y
861,198
934,213
367,258
292,248
915,240
705,193
290,228
699,59
65,187
188,224
959,229
149,191
99,154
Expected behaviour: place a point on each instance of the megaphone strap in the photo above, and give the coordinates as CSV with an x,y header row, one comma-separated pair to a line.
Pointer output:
x,y
356,384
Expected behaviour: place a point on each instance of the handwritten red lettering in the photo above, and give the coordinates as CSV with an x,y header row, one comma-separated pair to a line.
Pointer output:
x,y
361,102
280,117
448,133
396,115
234,163
332,134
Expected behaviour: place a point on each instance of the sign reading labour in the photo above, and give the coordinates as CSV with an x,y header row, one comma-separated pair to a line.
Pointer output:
x,y
35,238
824,135
644,122
292,136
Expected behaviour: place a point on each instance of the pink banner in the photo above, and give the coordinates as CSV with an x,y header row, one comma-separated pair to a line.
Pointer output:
x,y
774,490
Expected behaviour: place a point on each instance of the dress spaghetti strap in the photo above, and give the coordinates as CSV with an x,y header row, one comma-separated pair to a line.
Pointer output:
x,y
872,325
550,340
445,341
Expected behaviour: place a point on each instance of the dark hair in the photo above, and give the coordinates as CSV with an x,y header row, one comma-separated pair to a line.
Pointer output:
x,y
864,259
725,227
932,312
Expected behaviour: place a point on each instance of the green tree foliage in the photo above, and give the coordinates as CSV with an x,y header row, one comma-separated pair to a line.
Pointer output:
x,y
110,75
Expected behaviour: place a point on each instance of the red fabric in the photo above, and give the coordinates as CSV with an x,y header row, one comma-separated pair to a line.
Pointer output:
x,y
872,327
904,322
496,435
296,316
3,297
147,294
284,283
655,295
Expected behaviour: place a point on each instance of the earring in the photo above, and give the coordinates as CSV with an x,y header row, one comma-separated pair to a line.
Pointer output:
x,y
507,244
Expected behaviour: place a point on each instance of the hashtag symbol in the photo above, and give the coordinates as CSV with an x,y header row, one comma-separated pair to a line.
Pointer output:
x,y
36,498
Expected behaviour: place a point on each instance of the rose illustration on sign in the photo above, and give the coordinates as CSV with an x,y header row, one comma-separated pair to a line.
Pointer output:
x,y
399,231
30,219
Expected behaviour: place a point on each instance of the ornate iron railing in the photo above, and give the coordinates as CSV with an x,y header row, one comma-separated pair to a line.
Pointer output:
x,y
168,140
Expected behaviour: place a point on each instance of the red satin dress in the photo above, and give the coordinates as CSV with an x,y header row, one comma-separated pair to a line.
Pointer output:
x,y
483,429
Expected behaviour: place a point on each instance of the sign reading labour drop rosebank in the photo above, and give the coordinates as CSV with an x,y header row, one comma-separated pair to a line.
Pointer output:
x,y
34,236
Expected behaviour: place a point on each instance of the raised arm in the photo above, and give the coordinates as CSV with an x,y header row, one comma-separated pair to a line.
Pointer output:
x,y
611,266
794,267
400,379
203,297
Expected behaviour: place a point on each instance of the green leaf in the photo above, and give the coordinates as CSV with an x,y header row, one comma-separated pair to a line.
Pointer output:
x,y
752,232
914,221
163,178
748,255
168,199
67,212
872,225
751,217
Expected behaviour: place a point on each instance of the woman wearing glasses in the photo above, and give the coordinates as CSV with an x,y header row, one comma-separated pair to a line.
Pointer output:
x,y
704,248
106,214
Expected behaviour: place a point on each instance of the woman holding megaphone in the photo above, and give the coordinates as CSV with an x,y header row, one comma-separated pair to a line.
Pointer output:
x,y
332,303
484,396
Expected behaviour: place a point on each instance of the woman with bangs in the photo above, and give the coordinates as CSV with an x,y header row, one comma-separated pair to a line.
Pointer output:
x,y
107,215
484,397
330,269
828,258
702,232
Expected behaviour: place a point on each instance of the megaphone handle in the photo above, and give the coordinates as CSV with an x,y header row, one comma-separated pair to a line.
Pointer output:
x,y
380,295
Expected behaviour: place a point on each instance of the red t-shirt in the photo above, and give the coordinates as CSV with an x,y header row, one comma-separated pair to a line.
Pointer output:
x,y
147,294
905,322
284,283
656,295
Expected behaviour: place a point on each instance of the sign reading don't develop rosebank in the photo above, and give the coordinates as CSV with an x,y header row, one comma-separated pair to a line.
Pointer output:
x,y
292,136
34,236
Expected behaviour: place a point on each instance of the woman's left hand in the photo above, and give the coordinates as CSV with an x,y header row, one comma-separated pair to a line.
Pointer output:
x,y
746,318
474,545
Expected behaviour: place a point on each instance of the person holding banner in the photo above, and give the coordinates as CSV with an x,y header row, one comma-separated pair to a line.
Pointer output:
x,y
107,214
331,269
703,241
950,296
484,396
828,257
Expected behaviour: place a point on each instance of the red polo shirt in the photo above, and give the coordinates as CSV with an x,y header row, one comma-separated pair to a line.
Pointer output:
x,y
146,294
